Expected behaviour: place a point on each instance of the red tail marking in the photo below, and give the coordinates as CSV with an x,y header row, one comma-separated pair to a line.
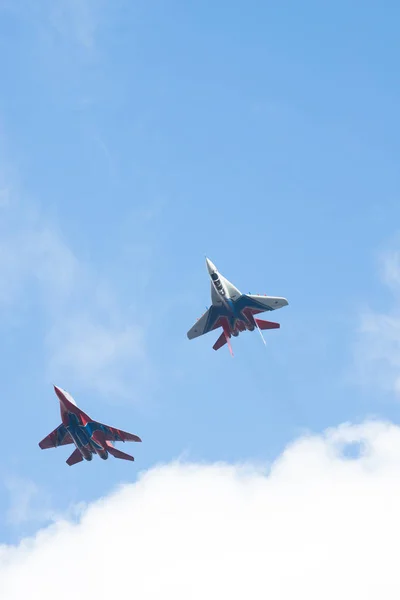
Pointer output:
x,y
267,324
221,341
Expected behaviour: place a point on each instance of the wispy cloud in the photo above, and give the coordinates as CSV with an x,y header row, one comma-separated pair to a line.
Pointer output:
x,y
390,269
377,348
77,20
27,503
97,353
316,524
90,336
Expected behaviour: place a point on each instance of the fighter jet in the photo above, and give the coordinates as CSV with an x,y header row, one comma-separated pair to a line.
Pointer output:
x,y
233,311
89,437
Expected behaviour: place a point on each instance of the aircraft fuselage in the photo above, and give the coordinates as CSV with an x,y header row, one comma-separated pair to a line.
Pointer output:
x,y
83,437
224,292
88,436
233,311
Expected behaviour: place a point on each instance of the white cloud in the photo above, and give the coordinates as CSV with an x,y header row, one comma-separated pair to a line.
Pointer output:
x,y
317,525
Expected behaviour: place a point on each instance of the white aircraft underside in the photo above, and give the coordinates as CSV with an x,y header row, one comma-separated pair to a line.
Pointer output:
x,y
232,310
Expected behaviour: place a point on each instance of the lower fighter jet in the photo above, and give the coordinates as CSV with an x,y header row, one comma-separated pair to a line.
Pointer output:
x,y
89,437
233,311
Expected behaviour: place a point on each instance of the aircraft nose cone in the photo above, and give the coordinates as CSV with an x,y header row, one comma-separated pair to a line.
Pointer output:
x,y
64,397
59,393
210,266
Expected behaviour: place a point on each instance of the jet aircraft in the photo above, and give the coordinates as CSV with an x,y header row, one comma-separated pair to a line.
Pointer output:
x,y
89,437
233,311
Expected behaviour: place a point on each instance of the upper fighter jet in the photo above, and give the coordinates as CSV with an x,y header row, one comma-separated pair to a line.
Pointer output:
x,y
89,437
232,310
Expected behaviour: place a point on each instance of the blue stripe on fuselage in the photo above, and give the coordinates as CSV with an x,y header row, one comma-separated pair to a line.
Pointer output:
x,y
230,304
232,317
233,314
82,434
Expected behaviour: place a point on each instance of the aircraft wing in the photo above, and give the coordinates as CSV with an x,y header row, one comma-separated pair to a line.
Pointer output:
x,y
207,322
58,437
259,304
112,434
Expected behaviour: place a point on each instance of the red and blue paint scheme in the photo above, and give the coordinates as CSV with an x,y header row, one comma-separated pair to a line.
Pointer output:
x,y
89,437
233,311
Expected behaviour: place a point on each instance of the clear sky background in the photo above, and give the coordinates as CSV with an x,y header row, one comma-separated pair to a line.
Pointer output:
x,y
138,137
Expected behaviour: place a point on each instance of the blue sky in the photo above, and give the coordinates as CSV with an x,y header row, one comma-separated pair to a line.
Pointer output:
x,y
135,138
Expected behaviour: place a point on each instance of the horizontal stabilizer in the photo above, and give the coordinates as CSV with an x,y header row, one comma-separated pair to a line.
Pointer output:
x,y
75,457
267,324
118,453
221,341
